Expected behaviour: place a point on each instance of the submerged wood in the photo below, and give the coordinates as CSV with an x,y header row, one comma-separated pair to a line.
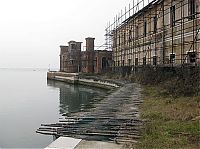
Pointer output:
x,y
114,118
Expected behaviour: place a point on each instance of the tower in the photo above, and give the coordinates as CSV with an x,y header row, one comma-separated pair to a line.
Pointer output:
x,y
90,54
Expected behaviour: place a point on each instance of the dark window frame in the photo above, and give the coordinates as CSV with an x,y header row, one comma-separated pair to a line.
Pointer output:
x,y
172,58
154,60
192,57
173,15
73,46
191,9
124,37
155,24
129,62
130,35
144,60
145,28
119,40
136,61
123,63
137,32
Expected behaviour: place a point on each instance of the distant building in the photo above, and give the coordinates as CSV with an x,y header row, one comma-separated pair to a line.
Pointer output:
x,y
73,59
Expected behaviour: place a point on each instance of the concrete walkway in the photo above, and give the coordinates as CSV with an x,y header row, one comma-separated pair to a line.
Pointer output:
x,y
71,143
97,145
64,143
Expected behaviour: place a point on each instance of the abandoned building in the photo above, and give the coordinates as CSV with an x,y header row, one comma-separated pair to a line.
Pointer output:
x,y
74,60
156,33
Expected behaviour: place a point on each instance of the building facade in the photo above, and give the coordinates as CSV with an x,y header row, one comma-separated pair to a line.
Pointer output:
x,y
73,60
162,32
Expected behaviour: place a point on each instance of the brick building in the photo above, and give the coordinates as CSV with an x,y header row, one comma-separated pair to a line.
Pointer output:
x,y
73,59
160,32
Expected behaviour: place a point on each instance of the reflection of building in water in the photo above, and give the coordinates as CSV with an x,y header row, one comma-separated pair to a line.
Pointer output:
x,y
73,98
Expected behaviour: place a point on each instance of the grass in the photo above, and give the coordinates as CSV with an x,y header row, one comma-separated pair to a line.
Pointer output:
x,y
169,122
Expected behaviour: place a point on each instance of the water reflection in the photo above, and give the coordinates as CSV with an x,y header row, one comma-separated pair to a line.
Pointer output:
x,y
74,98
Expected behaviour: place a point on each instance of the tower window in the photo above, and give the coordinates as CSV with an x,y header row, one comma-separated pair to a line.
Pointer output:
x,y
73,46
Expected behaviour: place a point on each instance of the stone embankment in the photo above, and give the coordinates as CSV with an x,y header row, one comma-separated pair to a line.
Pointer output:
x,y
75,78
114,118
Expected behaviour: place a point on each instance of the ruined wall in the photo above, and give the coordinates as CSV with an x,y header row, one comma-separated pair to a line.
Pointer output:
x,y
102,61
63,56
73,60
70,57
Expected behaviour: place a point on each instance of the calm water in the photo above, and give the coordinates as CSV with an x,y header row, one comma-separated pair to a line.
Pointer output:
x,y
27,100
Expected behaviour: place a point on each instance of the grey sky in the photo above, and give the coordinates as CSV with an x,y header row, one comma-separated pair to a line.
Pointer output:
x,y
32,30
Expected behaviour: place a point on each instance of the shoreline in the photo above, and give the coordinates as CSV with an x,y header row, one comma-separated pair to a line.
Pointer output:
x,y
77,79
116,124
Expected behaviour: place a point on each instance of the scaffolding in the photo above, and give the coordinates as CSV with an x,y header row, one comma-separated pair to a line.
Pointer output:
x,y
156,32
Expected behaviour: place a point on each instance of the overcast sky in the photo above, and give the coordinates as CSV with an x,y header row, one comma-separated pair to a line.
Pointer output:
x,y
31,31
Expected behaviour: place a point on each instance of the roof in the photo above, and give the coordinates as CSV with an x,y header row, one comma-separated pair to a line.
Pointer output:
x,y
142,11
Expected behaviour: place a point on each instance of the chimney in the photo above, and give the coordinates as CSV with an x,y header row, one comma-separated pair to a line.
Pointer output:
x,y
89,44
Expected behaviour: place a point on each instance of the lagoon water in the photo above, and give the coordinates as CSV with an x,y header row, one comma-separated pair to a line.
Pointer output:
x,y
27,100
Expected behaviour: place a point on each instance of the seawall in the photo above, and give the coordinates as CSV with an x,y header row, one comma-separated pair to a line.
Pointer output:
x,y
74,78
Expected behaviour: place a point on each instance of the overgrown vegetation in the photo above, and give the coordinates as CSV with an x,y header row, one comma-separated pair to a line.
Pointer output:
x,y
175,81
171,107
170,123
